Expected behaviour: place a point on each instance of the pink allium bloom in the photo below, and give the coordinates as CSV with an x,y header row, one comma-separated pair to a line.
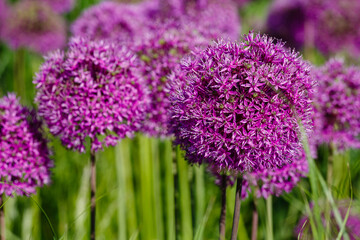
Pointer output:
x,y
24,155
93,90
337,104
276,181
161,52
303,230
236,103
59,6
336,25
32,24
109,21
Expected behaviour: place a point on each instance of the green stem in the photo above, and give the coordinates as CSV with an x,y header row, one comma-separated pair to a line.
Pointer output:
x,y
222,222
200,197
236,216
170,190
2,218
92,195
20,74
269,225
185,200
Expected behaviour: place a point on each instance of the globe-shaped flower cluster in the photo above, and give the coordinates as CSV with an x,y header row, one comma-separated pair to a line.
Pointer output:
x,y
24,156
34,25
237,105
161,52
336,25
337,104
93,90
109,20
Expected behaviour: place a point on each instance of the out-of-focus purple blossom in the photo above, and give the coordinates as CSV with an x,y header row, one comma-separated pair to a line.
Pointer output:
x,y
303,229
59,6
235,104
3,12
268,182
161,51
337,104
336,25
286,21
110,21
93,90
219,19
25,162
33,24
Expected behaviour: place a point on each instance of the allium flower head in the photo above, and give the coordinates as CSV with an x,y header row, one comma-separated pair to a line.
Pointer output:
x,y
92,90
235,105
337,104
59,6
33,24
336,24
286,20
109,21
352,227
24,155
276,181
161,52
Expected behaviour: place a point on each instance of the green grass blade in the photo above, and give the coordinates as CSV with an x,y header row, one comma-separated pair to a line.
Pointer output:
x,y
170,190
200,230
185,199
46,216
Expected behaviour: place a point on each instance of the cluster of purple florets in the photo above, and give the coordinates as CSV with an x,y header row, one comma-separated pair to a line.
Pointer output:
x,y
337,104
161,53
92,90
34,25
266,182
238,104
109,21
24,156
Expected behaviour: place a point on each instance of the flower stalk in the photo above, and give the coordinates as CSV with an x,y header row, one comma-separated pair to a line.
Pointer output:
x,y
92,195
222,223
236,217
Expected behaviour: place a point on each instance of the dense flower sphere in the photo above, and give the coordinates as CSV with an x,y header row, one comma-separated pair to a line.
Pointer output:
x,y
237,104
286,21
337,104
109,21
59,6
336,25
93,90
25,162
352,227
161,52
268,182
33,24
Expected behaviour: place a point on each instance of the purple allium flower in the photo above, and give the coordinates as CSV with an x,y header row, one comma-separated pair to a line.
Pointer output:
x,y
34,25
303,230
92,90
109,21
268,182
219,19
59,6
161,52
337,104
235,105
286,21
336,25
25,161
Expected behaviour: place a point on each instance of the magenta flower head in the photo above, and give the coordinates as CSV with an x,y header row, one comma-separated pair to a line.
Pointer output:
x,y
266,182
337,104
59,6
219,19
24,155
336,25
93,90
352,227
33,24
286,21
237,104
161,52
109,21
